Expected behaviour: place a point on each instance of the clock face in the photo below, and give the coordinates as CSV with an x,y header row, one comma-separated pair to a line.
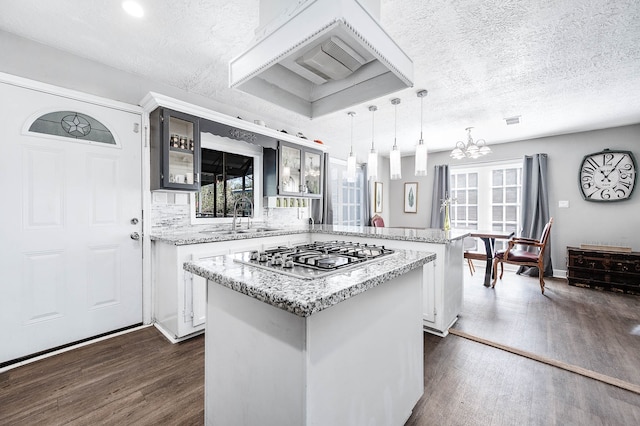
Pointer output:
x,y
608,176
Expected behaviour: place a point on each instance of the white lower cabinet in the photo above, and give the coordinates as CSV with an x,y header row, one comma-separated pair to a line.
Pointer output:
x,y
442,287
179,297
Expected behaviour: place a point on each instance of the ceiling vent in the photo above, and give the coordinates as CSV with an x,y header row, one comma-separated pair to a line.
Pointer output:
x,y
321,56
512,120
332,60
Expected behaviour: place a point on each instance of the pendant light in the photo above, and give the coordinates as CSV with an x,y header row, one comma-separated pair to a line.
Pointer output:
x,y
421,148
372,166
351,161
395,165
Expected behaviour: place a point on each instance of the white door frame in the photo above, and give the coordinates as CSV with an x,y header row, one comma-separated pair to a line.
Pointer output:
x,y
145,194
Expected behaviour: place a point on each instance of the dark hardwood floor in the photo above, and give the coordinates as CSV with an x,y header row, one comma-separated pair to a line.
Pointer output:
x,y
137,378
467,383
141,379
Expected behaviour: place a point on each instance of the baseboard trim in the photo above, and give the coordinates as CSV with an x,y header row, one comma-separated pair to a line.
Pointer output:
x,y
50,353
171,337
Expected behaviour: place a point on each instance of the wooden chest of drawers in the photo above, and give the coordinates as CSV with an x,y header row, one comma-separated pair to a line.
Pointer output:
x,y
604,270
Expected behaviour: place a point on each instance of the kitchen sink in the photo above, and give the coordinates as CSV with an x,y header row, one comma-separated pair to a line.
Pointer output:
x,y
261,229
239,231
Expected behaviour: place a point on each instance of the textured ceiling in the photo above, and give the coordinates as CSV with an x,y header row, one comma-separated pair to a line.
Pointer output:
x,y
562,65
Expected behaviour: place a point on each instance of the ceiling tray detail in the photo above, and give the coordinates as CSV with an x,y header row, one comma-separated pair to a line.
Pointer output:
x,y
325,56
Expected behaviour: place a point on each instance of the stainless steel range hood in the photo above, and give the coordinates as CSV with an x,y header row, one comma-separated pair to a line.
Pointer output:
x,y
322,56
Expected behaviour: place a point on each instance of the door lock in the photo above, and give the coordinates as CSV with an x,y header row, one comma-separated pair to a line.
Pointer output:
x,y
134,221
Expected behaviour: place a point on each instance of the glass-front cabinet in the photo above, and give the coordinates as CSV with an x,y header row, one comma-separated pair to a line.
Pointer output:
x,y
290,170
299,170
312,167
175,150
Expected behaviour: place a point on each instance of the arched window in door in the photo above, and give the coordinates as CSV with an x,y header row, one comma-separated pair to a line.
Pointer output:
x,y
73,125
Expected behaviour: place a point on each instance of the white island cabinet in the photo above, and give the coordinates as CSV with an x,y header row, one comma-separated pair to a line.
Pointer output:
x,y
179,297
346,349
443,281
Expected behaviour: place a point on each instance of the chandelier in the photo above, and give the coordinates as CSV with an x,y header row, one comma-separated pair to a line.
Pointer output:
x,y
472,149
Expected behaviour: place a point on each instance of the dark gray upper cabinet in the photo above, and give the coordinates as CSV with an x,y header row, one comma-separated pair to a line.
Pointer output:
x,y
293,170
175,150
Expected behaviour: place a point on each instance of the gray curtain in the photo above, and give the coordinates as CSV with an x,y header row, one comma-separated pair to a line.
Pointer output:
x,y
322,210
535,207
441,189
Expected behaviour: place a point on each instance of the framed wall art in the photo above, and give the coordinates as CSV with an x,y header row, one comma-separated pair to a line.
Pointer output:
x,y
377,199
411,197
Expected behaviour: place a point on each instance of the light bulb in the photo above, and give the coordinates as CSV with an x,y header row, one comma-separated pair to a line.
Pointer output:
x,y
421,159
351,168
395,164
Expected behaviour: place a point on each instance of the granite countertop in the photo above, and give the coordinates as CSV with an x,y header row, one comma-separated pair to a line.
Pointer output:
x,y
304,297
198,234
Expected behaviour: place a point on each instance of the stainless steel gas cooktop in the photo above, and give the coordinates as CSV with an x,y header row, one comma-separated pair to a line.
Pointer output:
x,y
318,259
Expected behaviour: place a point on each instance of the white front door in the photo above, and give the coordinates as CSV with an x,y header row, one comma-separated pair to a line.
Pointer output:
x,y
69,267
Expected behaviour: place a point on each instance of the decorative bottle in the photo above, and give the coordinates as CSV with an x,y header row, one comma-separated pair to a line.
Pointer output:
x,y
447,221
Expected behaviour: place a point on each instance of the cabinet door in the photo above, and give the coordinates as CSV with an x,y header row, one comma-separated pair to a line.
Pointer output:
x,y
429,294
181,140
175,150
312,172
290,158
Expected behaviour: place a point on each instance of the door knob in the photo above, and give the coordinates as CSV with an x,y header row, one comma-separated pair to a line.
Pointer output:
x,y
135,236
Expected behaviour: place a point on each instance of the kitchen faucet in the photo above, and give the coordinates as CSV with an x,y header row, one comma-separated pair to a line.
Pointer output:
x,y
241,200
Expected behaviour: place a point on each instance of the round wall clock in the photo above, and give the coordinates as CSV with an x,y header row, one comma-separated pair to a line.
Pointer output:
x,y
609,175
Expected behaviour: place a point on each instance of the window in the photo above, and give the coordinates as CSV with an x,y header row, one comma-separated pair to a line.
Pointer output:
x,y
73,125
464,189
225,177
487,196
506,186
347,198
229,169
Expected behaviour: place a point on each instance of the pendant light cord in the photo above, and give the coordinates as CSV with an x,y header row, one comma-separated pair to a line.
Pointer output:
x,y
351,114
421,94
395,126
421,116
373,109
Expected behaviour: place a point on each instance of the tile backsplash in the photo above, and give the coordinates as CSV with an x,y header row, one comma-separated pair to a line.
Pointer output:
x,y
169,210
172,210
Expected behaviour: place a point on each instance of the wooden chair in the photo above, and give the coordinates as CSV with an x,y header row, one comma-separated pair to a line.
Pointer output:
x,y
523,257
467,244
377,221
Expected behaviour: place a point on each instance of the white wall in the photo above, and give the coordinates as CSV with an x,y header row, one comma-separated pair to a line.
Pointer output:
x,y
583,222
35,61
383,177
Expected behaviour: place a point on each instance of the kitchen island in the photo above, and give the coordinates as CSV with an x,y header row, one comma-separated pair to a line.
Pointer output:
x,y
342,349
179,297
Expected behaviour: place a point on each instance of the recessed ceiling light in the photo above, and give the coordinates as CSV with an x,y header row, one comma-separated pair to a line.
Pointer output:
x,y
133,8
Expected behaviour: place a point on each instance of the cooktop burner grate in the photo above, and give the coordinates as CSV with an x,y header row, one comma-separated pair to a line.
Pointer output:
x,y
313,260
